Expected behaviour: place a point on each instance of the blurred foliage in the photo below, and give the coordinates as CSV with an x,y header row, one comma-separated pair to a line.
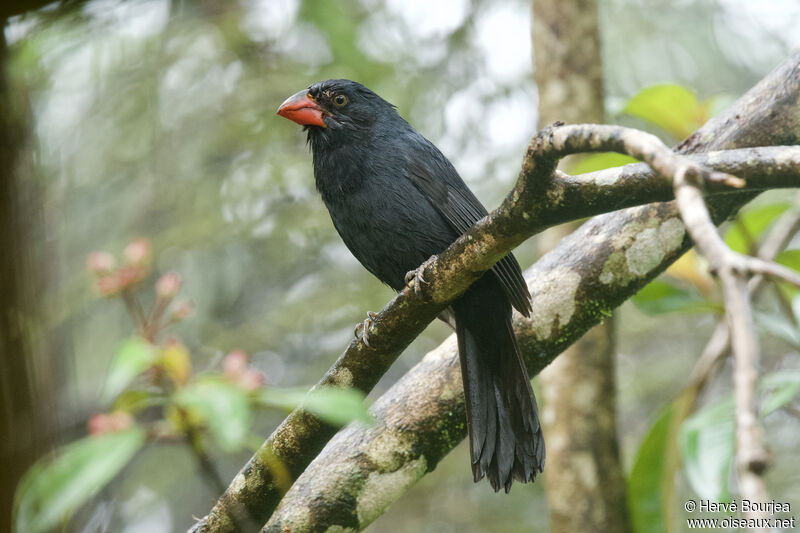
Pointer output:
x,y
707,437
660,297
601,161
780,389
214,404
52,490
673,108
131,359
333,405
648,478
750,224
707,444
156,118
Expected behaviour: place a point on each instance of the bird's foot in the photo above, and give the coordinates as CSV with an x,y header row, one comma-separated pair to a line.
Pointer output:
x,y
362,328
414,277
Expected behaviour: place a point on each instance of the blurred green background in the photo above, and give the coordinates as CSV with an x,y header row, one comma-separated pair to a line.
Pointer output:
x,y
156,119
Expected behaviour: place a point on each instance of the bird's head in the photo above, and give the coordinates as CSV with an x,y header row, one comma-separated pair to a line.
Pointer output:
x,y
334,110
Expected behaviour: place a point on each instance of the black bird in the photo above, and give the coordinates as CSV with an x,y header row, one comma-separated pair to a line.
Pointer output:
x,y
396,201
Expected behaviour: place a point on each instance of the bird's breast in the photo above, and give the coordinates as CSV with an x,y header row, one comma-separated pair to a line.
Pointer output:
x,y
388,225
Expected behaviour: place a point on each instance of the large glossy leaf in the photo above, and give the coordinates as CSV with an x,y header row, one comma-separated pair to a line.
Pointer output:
x,y
646,480
673,108
223,406
658,297
790,258
707,443
707,438
334,405
751,223
54,488
132,357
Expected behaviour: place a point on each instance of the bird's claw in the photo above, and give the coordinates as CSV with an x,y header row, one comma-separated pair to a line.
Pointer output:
x,y
362,328
414,278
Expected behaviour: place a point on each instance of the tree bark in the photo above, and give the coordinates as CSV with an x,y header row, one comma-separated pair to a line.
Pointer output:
x,y
24,417
585,482
12,8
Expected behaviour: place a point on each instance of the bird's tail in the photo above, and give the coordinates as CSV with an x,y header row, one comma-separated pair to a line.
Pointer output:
x,y
505,437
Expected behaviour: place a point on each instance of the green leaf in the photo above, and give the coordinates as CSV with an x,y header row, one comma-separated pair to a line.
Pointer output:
x,y
132,358
646,480
334,405
51,490
133,401
224,407
779,389
593,162
790,258
673,108
707,438
658,297
751,224
707,444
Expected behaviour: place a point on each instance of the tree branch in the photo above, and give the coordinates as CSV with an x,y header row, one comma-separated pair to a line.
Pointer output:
x,y
752,457
703,232
733,269
718,345
593,270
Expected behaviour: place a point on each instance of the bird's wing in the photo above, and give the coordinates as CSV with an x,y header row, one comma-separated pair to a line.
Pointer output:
x,y
436,178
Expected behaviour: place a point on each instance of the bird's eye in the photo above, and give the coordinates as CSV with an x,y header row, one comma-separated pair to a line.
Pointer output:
x,y
340,100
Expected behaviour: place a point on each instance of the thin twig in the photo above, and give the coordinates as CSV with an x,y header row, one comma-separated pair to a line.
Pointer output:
x,y
732,269
134,310
688,177
152,324
718,346
715,351
781,233
704,233
777,240
752,457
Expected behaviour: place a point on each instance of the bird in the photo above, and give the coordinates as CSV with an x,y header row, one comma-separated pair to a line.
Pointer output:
x,y
396,201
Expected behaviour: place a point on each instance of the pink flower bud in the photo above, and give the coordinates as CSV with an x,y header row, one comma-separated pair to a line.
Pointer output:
x,y
102,423
131,275
252,380
97,424
138,252
235,365
100,262
108,285
169,285
182,309
120,420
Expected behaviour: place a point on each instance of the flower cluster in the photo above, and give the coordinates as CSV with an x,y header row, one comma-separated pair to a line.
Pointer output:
x,y
237,369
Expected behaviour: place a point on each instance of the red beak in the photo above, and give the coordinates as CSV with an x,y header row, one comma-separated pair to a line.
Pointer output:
x,y
301,108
